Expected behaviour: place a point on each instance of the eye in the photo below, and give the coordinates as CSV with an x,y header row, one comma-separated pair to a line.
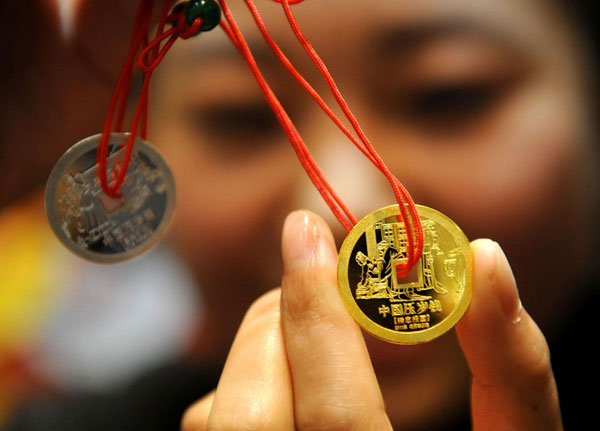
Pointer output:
x,y
236,125
452,105
450,84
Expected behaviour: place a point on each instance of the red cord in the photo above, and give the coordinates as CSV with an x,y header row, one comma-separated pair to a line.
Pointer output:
x,y
152,54
402,195
342,213
147,60
339,209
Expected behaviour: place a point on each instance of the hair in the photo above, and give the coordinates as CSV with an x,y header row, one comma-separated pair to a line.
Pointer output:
x,y
585,18
585,13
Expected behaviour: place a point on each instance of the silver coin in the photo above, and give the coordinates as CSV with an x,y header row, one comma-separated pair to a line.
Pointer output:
x,y
97,227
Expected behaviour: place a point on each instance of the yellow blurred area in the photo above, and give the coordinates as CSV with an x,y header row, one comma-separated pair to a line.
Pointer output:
x,y
25,289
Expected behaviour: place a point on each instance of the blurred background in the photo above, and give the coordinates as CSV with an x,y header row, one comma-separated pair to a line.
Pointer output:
x,y
486,112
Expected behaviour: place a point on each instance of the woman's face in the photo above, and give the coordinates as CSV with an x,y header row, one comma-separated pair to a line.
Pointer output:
x,y
479,109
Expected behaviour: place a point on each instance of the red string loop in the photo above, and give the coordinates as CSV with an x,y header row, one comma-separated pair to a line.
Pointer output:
x,y
120,95
152,54
408,212
415,239
142,62
148,59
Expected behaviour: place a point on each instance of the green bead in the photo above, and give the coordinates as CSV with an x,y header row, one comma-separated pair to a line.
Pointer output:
x,y
208,10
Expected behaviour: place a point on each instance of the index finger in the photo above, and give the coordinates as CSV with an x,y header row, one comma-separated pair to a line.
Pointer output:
x,y
333,381
513,385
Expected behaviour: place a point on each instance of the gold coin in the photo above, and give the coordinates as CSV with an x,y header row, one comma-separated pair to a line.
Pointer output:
x,y
427,302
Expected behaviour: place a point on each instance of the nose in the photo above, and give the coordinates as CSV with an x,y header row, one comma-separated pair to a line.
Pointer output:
x,y
359,184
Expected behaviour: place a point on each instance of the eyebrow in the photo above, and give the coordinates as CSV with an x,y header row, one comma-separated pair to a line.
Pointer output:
x,y
403,39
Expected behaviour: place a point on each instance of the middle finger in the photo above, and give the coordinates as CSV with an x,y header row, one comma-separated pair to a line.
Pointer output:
x,y
254,391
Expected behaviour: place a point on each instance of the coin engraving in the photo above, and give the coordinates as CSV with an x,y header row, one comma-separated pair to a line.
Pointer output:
x,y
420,306
96,226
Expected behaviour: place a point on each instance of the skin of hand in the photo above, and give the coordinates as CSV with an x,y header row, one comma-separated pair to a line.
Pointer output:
x,y
299,361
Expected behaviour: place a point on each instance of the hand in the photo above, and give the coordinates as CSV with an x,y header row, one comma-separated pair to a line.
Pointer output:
x,y
299,362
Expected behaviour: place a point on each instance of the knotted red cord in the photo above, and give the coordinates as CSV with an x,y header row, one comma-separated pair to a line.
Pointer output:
x,y
342,213
152,54
402,195
147,60
306,159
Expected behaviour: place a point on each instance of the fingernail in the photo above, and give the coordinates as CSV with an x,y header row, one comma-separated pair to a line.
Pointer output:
x,y
509,295
299,240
